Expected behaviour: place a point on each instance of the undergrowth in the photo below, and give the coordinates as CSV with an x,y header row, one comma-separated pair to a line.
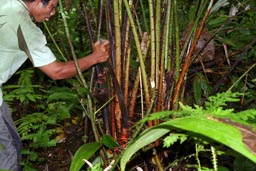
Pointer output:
x,y
218,108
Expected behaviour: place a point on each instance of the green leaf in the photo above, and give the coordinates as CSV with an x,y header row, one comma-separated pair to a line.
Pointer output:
x,y
197,126
109,141
221,168
96,167
227,41
219,4
31,97
173,138
197,89
84,152
218,20
146,138
62,96
242,163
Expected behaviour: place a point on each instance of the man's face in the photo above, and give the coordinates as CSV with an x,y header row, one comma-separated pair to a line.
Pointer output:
x,y
42,12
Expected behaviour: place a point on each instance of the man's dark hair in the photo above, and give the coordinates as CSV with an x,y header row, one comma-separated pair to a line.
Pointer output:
x,y
45,2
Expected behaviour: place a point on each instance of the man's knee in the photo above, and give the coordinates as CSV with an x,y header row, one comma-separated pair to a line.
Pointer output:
x,y
8,153
9,147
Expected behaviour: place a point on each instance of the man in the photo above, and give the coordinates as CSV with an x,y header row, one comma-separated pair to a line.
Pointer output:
x,y
20,39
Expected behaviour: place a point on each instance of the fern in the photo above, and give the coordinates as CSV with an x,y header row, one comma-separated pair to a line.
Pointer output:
x,y
214,159
32,122
216,106
34,127
221,99
156,116
171,139
32,156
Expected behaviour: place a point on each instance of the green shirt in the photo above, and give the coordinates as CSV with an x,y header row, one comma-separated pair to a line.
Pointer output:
x,y
14,13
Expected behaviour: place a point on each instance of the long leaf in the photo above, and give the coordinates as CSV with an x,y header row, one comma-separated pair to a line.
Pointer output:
x,y
84,152
197,126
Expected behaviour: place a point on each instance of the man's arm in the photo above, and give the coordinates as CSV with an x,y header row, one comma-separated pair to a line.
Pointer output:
x,y
62,70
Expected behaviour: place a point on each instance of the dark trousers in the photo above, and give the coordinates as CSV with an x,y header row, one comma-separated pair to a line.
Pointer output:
x,y
10,143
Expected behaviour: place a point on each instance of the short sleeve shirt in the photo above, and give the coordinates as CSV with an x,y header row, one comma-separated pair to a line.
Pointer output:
x,y
14,13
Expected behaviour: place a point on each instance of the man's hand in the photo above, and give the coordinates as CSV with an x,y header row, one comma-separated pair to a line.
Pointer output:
x,y
101,50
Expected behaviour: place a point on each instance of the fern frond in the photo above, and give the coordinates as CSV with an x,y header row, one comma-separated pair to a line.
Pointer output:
x,y
214,159
221,99
172,138
156,116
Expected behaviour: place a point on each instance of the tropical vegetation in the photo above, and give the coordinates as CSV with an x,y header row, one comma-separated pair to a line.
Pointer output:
x,y
178,92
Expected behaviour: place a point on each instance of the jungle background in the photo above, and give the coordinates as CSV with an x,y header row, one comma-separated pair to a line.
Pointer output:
x,y
178,71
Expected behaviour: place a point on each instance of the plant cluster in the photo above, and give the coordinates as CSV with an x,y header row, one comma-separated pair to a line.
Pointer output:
x,y
159,94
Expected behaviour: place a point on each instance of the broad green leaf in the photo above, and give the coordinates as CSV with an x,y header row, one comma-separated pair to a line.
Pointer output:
x,y
109,141
146,138
197,89
84,152
198,126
